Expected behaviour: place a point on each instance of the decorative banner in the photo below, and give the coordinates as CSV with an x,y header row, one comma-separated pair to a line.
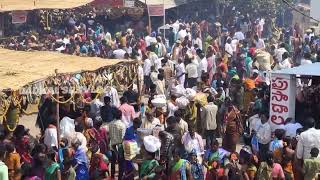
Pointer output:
x,y
19,17
129,3
282,99
109,3
156,10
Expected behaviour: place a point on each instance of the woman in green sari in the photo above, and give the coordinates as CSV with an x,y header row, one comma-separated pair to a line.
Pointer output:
x,y
181,169
148,166
53,169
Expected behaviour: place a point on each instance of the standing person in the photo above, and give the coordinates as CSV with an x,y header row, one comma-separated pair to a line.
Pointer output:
x,y
307,140
13,162
193,142
172,106
149,165
192,72
160,85
117,130
50,135
269,169
146,72
264,135
107,111
81,162
131,132
182,124
311,166
150,122
197,169
127,111
233,130
181,169
3,167
276,145
181,72
53,170
209,117
259,42
203,65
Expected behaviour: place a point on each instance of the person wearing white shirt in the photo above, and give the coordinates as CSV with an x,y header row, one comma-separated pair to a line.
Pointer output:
x,y
197,41
306,59
239,35
291,128
182,33
146,73
228,48
181,71
119,53
259,42
203,65
255,123
264,135
192,73
308,139
234,44
157,64
172,107
285,63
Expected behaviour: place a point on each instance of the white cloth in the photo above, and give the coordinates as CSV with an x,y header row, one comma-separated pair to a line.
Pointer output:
x,y
308,140
67,127
147,67
119,53
180,71
305,61
171,109
157,64
151,143
82,140
183,126
255,122
149,40
264,133
192,70
291,129
279,52
203,65
50,137
260,44
113,94
197,41
239,35
182,34
95,107
228,49
285,64
234,44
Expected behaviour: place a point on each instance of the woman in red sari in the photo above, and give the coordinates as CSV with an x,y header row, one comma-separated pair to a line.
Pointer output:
x,y
233,130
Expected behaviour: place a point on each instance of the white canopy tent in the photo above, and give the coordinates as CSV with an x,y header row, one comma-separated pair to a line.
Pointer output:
x,y
304,70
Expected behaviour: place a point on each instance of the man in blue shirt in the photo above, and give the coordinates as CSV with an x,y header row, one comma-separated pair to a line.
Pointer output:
x,y
131,132
107,111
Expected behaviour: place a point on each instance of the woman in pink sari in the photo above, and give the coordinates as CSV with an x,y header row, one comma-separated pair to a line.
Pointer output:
x,y
211,63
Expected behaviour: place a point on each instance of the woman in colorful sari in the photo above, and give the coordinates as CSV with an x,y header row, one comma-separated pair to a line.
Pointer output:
x,y
81,162
213,158
233,130
181,169
53,169
148,166
99,166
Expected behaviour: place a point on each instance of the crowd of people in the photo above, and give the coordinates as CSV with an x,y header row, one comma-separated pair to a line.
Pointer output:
x,y
201,83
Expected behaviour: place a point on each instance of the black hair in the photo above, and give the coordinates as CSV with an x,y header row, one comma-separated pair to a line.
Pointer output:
x,y
79,127
123,99
106,99
10,147
279,133
178,113
118,114
2,151
210,98
309,122
269,158
314,152
171,120
51,155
